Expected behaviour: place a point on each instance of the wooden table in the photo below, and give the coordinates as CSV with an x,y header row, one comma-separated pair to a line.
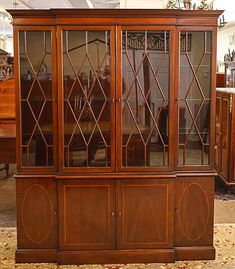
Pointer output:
x,y
7,145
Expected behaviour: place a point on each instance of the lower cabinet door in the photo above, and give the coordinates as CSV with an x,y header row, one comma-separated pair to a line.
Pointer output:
x,y
144,213
194,210
86,214
37,226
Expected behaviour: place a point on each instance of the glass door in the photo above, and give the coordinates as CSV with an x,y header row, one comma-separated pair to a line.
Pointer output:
x,y
37,96
88,98
145,106
194,98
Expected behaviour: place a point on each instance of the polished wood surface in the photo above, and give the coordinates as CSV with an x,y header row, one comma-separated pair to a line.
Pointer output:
x,y
7,143
225,130
220,80
149,207
145,214
194,206
37,218
7,123
87,214
7,99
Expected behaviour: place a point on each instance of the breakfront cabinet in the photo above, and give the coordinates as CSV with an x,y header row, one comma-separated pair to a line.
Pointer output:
x,y
115,135
225,133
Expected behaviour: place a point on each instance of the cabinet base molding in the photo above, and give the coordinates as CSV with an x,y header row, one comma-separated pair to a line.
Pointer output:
x,y
115,256
195,253
36,255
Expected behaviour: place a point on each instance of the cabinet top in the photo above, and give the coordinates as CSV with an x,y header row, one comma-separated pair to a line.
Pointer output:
x,y
113,12
199,18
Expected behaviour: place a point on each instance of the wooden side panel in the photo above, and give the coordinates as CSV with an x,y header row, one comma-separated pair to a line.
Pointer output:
x,y
86,214
232,139
36,213
225,137
145,213
194,209
218,133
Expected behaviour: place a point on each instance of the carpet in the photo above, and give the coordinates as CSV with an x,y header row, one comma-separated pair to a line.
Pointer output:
x,y
224,242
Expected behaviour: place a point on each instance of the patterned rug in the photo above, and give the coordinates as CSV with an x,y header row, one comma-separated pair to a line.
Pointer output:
x,y
224,242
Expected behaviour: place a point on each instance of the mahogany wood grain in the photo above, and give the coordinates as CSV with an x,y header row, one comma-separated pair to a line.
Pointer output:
x,y
193,253
7,123
114,214
7,99
144,214
225,131
36,255
116,256
194,209
37,224
220,80
87,214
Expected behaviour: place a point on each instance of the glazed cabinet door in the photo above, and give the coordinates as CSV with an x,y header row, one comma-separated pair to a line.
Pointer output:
x,y
87,59
145,80
196,99
86,214
36,112
144,213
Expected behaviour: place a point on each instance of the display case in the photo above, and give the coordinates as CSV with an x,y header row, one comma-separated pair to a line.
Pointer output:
x,y
225,144
229,74
115,135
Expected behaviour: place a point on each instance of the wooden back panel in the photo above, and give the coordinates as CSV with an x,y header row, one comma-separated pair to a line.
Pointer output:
x,y
7,99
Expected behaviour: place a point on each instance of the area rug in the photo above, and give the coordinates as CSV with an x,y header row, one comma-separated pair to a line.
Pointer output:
x,y
224,241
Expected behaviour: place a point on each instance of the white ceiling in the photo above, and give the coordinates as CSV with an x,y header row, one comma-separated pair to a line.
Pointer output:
x,y
6,28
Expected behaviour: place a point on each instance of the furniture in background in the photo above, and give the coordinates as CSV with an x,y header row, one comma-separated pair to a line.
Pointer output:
x,y
225,135
229,74
7,123
115,135
220,80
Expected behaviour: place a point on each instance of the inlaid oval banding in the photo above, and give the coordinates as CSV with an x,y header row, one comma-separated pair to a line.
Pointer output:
x,y
37,213
193,212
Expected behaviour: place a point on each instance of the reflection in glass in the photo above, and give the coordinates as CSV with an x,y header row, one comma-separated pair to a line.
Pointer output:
x,y
145,103
194,97
36,98
86,89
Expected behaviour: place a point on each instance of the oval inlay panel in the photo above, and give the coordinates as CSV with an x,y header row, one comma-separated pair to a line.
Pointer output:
x,y
193,212
37,213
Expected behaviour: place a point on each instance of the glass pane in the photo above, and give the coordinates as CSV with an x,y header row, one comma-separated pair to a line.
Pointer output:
x,y
86,89
145,103
36,96
194,93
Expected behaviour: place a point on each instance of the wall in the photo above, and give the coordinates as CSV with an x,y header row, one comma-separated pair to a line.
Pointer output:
x,y
224,43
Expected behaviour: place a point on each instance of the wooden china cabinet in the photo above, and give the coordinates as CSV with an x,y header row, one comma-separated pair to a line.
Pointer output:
x,y
225,133
115,135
